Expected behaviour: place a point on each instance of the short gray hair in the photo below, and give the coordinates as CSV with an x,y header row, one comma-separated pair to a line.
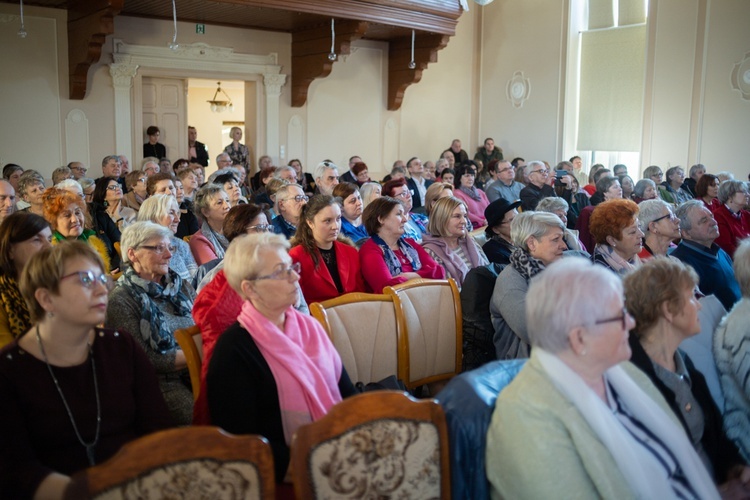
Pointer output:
x,y
641,185
28,179
221,155
728,189
155,207
284,192
697,168
69,185
110,158
536,224
649,211
552,204
742,266
725,176
530,166
241,260
147,160
279,170
684,210
202,198
86,182
554,308
138,233
320,170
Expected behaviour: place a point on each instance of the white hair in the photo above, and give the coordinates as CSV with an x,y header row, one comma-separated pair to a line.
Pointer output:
x,y
536,224
138,233
241,260
156,207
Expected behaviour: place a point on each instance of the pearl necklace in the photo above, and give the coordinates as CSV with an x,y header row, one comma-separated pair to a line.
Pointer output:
x,y
90,447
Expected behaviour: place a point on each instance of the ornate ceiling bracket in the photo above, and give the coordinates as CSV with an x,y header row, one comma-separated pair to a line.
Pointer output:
x,y
89,23
399,54
310,50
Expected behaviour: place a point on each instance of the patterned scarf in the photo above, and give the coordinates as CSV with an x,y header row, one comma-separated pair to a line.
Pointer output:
x,y
218,241
14,306
471,193
526,265
394,266
153,328
614,261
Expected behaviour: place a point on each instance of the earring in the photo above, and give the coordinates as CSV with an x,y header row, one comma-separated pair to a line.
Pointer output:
x,y
583,352
50,314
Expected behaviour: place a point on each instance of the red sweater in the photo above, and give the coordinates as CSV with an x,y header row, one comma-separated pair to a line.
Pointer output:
x,y
316,281
376,273
732,228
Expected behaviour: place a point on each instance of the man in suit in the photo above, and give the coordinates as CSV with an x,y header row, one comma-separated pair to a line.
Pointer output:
x,y
349,175
197,152
417,183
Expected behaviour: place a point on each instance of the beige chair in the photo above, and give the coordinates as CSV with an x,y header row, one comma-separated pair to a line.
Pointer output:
x,y
189,462
431,349
191,344
381,444
365,330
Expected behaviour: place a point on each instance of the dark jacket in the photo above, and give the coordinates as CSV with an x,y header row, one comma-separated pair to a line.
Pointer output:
x,y
416,199
202,154
476,293
106,230
189,223
498,251
532,195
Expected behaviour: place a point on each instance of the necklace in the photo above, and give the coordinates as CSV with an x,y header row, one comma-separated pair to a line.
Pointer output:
x,y
92,445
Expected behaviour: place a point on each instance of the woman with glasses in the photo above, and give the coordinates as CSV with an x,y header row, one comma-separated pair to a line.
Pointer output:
x,y
618,238
274,369
661,297
660,227
66,213
475,199
351,212
416,224
137,185
671,189
731,215
578,419
150,303
72,393
107,202
330,264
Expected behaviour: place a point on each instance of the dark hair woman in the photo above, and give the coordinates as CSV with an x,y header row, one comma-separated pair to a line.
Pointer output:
x,y
475,199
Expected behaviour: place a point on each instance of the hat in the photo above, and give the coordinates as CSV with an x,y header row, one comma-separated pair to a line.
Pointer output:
x,y
495,211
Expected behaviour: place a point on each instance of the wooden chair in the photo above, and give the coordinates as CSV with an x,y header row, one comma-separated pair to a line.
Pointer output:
x,y
190,342
431,348
382,444
365,330
189,462
186,239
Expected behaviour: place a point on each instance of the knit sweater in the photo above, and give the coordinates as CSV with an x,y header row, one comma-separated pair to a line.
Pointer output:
x,y
714,268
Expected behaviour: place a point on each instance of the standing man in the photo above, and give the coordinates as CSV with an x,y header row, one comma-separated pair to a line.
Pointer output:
x,y
289,202
349,175
488,153
197,151
326,177
7,199
417,183
505,186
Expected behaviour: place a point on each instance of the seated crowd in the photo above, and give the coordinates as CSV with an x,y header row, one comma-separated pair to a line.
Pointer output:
x,y
597,281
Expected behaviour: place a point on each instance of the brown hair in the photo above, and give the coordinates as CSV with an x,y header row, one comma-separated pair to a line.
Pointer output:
x,y
16,228
701,187
377,209
391,185
344,190
239,218
304,235
161,176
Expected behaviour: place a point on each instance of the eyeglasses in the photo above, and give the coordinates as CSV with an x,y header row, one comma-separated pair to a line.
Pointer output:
x,y
670,215
658,174
281,274
80,169
300,197
623,319
159,249
542,171
114,187
403,194
261,228
88,279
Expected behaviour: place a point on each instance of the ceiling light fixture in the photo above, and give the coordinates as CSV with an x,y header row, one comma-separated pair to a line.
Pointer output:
x,y
332,55
220,106
22,30
173,44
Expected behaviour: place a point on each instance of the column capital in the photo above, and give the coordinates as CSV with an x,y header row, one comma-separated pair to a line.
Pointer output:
x,y
273,83
123,73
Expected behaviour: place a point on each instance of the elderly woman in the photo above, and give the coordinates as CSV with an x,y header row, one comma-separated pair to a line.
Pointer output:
x,y
72,393
660,227
31,191
329,267
560,207
619,240
707,190
671,190
163,209
389,257
136,183
22,234
448,241
578,418
499,214
416,224
351,212
12,173
539,241
436,191
730,345
228,180
369,191
645,189
731,216
275,369
607,188
661,297
107,203
361,173
475,199
66,213
150,303
212,203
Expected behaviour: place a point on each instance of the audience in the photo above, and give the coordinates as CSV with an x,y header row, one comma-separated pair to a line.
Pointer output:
x,y
212,203
707,190
560,208
12,173
150,303
153,147
475,199
7,200
239,154
303,178
369,191
351,212
136,182
275,369
31,190
106,202
645,189
417,184
72,393
671,190
578,420
537,188
499,214
696,172
607,188
289,202
660,227
614,227
505,186
416,224
329,264
538,238
326,177
732,218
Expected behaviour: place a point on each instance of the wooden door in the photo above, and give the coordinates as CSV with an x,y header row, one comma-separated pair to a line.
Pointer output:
x,y
164,105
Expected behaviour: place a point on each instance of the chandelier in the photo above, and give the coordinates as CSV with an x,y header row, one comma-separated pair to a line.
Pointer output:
x,y
218,106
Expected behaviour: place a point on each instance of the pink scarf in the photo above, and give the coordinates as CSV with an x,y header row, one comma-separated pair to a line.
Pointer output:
x,y
303,362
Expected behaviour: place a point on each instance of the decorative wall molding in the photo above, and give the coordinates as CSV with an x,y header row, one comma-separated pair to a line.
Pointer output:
x,y
518,89
741,77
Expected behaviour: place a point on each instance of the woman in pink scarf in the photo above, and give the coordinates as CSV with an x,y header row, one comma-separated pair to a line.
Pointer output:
x,y
275,369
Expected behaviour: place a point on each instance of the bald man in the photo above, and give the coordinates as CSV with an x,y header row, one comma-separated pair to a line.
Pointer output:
x,y
7,199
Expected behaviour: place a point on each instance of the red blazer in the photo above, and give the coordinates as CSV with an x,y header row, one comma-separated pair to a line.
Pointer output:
x,y
731,229
316,282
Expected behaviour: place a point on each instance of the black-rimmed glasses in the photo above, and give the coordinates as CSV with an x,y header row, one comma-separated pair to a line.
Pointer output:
x,y
670,216
623,319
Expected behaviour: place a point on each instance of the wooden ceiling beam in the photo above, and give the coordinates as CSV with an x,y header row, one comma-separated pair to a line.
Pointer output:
x,y
89,23
400,76
310,50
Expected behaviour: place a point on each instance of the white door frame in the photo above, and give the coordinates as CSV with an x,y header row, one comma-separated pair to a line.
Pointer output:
x,y
198,60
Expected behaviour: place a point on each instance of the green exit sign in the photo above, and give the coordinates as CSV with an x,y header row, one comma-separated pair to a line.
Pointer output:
x,y
200,29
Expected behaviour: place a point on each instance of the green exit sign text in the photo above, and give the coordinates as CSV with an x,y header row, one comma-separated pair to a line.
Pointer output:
x,y
200,29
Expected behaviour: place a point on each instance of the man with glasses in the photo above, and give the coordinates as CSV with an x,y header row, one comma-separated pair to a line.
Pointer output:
x,y
326,177
77,169
537,188
505,185
289,202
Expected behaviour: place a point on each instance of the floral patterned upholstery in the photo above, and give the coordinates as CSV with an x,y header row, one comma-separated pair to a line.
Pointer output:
x,y
387,458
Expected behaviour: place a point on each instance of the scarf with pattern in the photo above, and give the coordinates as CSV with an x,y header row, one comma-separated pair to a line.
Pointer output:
x,y
14,306
471,192
218,241
526,265
394,266
154,330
